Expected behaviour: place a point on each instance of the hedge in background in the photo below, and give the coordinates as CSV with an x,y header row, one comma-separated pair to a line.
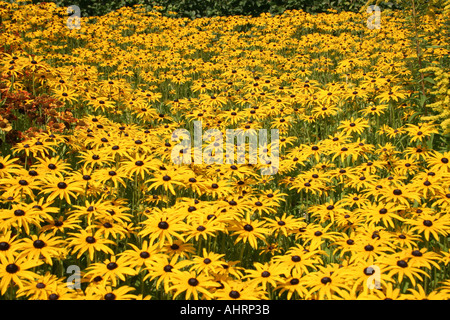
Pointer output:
x,y
209,8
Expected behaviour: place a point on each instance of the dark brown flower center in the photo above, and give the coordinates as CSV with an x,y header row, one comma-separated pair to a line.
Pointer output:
x,y
163,225
12,268
427,223
38,244
19,213
265,274
111,266
90,239
193,282
168,268
417,253
62,185
402,264
40,285
110,296
4,246
369,272
325,280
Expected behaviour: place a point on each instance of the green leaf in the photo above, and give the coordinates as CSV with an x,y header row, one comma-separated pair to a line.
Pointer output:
x,y
422,100
430,80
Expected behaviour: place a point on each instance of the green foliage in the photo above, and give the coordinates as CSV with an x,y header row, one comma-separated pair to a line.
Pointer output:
x,y
209,8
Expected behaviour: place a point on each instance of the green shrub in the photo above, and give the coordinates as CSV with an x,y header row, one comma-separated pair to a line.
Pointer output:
x,y
209,8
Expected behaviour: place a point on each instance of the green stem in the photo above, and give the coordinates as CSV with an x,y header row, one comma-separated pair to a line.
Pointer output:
x,y
419,56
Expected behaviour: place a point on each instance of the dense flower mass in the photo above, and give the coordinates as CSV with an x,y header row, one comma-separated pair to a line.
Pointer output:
x,y
359,206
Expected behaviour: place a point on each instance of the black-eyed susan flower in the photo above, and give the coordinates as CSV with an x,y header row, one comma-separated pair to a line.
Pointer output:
x,y
294,285
423,258
239,290
398,265
265,274
390,292
429,225
354,125
178,249
84,241
420,132
61,188
8,166
163,226
299,259
54,166
366,277
141,256
20,216
9,243
202,228
316,234
110,176
230,270
111,293
94,158
283,225
420,294
395,93
168,180
165,269
326,282
14,271
108,228
404,238
191,283
327,211
112,269
41,287
139,165
207,263
381,212
44,247
249,230
370,250
60,225
439,161
20,186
